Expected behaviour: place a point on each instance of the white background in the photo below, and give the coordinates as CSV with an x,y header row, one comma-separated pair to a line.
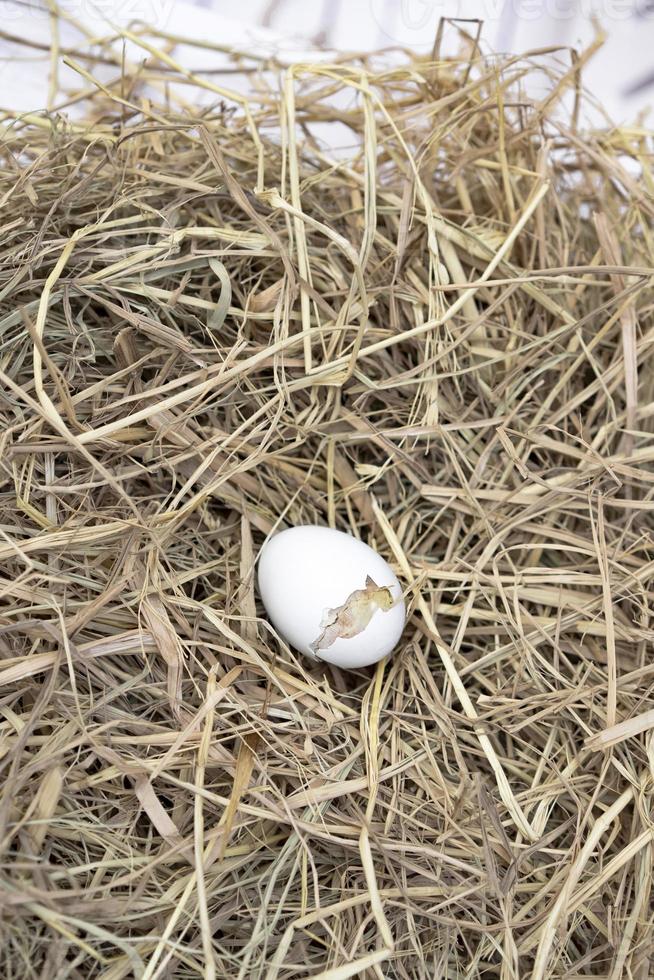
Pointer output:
x,y
295,26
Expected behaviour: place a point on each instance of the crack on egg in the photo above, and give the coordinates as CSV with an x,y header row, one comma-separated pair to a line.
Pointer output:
x,y
348,620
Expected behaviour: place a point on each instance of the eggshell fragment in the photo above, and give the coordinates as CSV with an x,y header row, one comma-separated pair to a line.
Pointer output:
x,y
331,596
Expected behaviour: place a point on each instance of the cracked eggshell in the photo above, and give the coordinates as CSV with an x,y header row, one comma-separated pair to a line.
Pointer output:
x,y
304,572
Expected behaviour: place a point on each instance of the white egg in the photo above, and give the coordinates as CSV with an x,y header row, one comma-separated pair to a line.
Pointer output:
x,y
331,596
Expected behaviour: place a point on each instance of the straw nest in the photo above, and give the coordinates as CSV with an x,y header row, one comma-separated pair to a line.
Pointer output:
x,y
440,341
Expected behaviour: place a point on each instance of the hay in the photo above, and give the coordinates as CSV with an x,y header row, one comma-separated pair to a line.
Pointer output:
x,y
442,342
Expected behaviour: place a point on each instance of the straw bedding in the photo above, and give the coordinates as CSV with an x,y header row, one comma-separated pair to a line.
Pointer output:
x,y
439,340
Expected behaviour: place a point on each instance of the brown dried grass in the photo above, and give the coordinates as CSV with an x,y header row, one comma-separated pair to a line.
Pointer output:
x,y
443,344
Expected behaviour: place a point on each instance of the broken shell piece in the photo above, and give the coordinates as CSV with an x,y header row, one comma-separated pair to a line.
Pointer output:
x,y
353,616
331,596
